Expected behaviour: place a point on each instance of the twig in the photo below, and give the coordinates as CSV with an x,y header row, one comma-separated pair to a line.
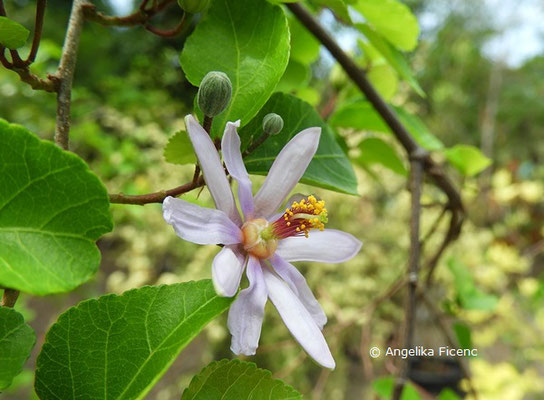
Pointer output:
x,y
139,17
167,33
9,298
253,145
357,75
443,325
65,73
37,36
433,227
416,182
156,197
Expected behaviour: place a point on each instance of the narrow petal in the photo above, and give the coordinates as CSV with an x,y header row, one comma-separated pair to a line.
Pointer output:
x,y
298,285
199,224
247,312
328,246
298,320
227,269
212,169
286,171
232,156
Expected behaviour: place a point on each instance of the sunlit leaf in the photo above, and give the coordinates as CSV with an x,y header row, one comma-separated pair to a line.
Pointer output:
x,y
393,56
376,151
469,296
249,41
304,46
117,347
237,380
384,79
179,149
52,210
12,34
469,160
448,394
463,334
16,342
384,388
330,167
392,19
338,7
295,76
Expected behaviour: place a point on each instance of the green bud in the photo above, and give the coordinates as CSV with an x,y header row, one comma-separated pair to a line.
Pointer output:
x,y
272,124
194,6
214,93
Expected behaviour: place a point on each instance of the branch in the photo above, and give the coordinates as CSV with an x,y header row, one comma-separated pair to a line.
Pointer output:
x,y
416,182
38,26
65,73
358,76
9,298
156,197
139,17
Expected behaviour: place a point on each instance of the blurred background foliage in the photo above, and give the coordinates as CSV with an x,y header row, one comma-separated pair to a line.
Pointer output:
x,y
130,96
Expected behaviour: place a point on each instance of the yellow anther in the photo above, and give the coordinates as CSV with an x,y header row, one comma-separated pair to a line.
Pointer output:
x,y
298,229
288,224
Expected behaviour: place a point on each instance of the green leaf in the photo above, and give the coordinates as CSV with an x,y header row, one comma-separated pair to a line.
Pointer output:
x,y
384,388
237,380
469,296
376,151
464,337
391,19
362,116
330,168
117,347
384,79
249,41
52,210
469,160
295,76
338,7
12,34
448,394
304,46
392,56
179,149
16,342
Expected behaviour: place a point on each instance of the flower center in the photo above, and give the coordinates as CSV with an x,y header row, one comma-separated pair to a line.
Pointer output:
x,y
258,238
304,215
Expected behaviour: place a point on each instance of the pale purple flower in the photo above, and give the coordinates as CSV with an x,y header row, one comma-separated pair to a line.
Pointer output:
x,y
264,241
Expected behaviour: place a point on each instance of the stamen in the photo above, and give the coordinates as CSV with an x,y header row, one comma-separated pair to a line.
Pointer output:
x,y
303,216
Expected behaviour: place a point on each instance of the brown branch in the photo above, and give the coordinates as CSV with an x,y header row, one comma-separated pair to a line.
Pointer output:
x,y
139,17
65,73
358,76
156,197
9,298
416,183
38,27
167,33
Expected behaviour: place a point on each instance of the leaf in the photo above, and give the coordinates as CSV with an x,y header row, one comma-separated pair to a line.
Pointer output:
x,y
179,149
448,394
304,46
376,151
338,7
469,296
462,331
117,347
384,79
384,388
469,160
237,380
12,34
249,41
362,116
392,56
391,19
52,210
16,341
295,76
330,168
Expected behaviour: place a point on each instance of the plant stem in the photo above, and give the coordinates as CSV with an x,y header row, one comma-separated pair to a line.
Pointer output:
x,y
9,298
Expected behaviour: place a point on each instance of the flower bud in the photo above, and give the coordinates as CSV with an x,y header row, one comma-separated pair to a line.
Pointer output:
x,y
214,93
194,6
272,124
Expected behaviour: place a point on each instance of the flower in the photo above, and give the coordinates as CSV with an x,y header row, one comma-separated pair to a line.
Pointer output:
x,y
264,241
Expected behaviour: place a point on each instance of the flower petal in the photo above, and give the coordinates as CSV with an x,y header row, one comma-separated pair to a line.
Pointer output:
x,y
232,157
227,268
328,246
246,313
298,285
212,169
298,320
286,171
199,224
